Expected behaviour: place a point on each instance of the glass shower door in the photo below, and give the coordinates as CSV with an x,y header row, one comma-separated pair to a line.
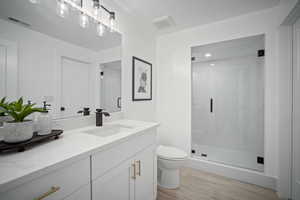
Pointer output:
x,y
228,110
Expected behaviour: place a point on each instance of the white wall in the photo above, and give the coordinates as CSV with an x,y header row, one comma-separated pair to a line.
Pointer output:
x,y
174,76
284,58
138,39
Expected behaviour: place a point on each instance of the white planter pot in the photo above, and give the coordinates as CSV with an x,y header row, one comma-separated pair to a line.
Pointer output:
x,y
15,132
4,119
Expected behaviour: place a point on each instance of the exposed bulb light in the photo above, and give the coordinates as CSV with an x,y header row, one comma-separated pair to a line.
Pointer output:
x,y
84,20
100,29
96,13
207,55
212,64
62,9
96,8
112,22
35,1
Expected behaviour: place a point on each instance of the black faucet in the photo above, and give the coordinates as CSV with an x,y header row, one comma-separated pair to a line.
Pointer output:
x,y
85,111
99,116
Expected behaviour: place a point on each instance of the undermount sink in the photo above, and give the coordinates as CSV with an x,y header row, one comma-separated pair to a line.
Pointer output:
x,y
108,130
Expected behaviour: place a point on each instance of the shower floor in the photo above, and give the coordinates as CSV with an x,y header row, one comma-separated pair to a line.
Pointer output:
x,y
231,157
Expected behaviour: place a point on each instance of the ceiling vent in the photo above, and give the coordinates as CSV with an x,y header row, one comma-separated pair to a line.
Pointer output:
x,y
17,21
164,22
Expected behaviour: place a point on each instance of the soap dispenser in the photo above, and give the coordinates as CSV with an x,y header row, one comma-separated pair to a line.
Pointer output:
x,y
44,121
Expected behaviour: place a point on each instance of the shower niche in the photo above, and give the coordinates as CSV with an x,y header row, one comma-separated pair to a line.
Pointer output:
x,y
228,102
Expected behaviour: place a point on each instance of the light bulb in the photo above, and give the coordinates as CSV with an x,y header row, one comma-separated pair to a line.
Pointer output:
x,y
84,20
35,1
62,8
100,29
96,12
111,23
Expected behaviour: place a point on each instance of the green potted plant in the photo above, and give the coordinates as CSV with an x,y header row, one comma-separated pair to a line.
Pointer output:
x,y
19,129
3,116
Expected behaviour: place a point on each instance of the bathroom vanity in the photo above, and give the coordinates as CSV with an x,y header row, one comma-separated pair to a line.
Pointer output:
x,y
113,162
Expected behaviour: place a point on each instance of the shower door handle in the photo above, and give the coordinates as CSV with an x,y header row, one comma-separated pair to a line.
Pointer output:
x,y
119,102
211,105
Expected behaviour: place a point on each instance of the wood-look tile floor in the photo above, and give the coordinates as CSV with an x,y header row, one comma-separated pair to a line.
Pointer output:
x,y
199,185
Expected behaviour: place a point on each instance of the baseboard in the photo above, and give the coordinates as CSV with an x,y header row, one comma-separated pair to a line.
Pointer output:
x,y
236,173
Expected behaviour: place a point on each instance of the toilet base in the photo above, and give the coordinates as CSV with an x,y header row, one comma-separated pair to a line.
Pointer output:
x,y
169,179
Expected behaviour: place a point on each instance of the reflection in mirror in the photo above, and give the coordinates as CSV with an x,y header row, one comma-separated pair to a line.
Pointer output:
x,y
47,57
111,86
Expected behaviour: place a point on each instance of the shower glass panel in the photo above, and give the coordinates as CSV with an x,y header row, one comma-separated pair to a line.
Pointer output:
x,y
228,102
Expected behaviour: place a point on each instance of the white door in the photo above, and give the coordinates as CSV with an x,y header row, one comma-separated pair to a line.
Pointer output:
x,y
2,71
144,184
117,184
296,120
8,69
76,85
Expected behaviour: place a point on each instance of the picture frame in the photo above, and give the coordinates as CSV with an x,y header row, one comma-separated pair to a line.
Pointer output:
x,y
141,80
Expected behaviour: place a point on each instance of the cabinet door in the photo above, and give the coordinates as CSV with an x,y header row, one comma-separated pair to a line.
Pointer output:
x,y
145,180
117,184
83,193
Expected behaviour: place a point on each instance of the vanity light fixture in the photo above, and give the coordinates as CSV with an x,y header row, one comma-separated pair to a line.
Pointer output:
x,y
85,15
207,55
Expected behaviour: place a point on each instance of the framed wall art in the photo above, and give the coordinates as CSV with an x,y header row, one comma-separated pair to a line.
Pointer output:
x,y
141,80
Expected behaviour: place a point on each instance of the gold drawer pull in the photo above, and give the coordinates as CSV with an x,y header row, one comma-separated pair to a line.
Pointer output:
x,y
138,163
51,191
134,171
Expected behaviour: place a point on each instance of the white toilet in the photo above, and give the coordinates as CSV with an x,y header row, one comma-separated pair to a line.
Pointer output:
x,y
169,162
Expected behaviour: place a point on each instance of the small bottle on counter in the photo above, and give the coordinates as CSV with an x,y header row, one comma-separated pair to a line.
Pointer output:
x,y
44,121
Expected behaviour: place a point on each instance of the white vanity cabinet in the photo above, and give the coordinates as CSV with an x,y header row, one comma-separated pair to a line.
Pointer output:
x,y
129,179
124,169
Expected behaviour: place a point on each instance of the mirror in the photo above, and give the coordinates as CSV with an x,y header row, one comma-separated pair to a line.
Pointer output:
x,y
47,57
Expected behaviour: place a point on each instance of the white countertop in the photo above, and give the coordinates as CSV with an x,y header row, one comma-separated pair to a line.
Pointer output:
x,y
17,168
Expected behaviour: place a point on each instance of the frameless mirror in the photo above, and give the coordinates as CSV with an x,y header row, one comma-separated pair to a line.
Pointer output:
x,y
50,52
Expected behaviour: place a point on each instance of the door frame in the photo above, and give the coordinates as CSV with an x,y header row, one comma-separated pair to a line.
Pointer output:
x,y
286,186
296,58
11,77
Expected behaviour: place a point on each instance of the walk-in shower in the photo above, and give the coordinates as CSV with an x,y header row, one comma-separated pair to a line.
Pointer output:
x,y
228,102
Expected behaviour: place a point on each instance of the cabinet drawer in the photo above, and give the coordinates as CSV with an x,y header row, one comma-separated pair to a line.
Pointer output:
x,y
56,185
106,160
83,193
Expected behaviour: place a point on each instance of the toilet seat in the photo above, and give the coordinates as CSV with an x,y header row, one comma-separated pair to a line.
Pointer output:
x,y
170,153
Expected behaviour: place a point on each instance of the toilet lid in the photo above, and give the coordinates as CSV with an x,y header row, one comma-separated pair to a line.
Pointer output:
x,y
170,152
